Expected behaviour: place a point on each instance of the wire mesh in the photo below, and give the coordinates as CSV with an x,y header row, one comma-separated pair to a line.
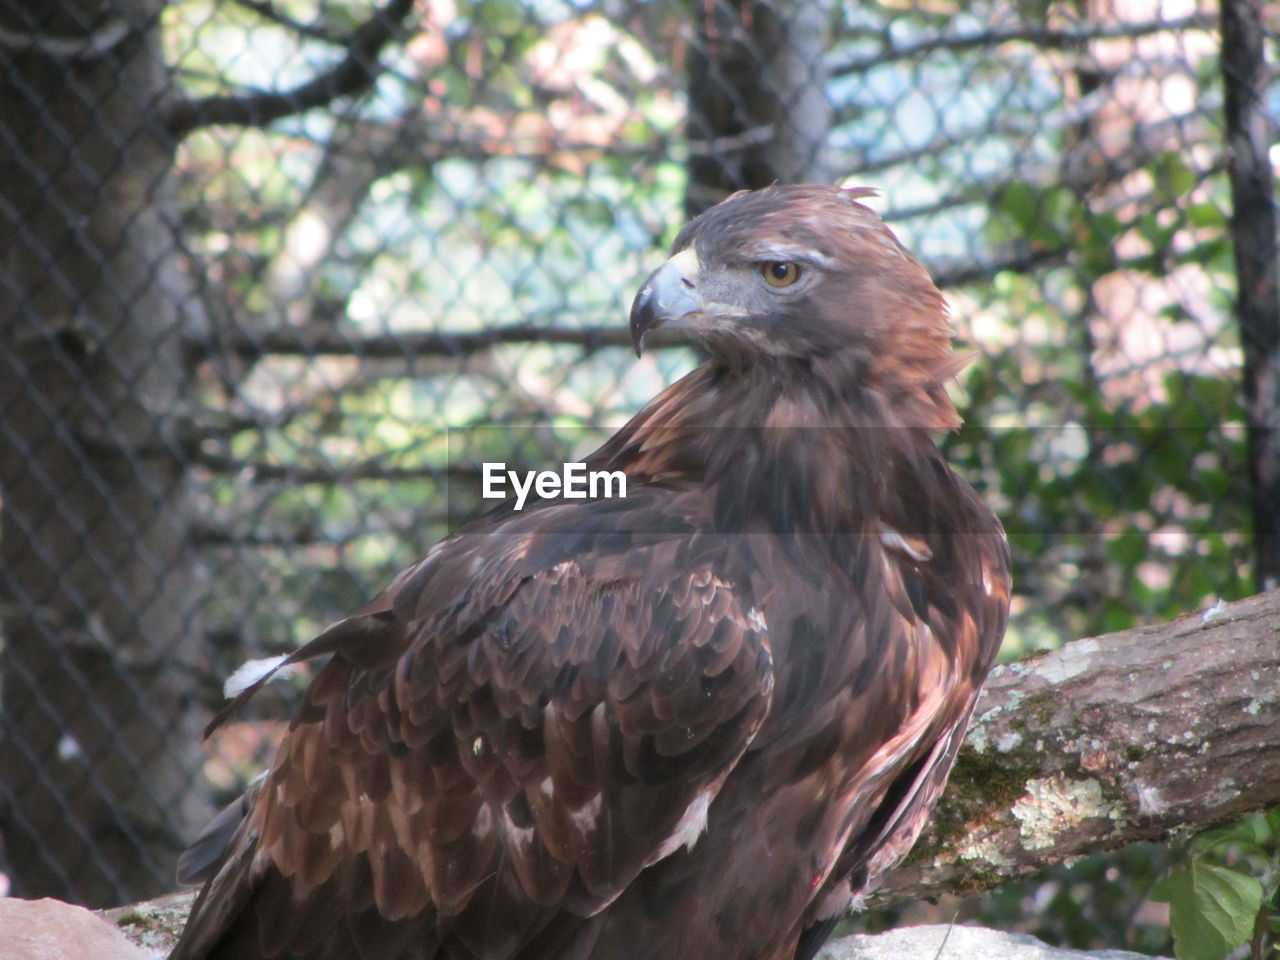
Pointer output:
x,y
277,276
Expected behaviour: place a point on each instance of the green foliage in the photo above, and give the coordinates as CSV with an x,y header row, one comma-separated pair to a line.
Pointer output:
x,y
1226,890
1121,486
1092,904
1212,909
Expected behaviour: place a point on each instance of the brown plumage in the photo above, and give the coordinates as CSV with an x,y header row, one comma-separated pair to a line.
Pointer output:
x,y
692,723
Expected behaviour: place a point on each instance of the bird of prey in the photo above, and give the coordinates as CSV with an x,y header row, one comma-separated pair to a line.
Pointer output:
x,y
694,723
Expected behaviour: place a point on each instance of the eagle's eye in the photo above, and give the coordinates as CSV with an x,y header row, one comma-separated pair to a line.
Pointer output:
x,y
780,273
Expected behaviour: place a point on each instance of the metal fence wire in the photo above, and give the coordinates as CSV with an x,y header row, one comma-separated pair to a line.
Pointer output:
x,y
276,275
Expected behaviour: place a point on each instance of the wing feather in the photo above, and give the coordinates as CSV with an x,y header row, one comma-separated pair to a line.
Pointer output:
x,y
522,743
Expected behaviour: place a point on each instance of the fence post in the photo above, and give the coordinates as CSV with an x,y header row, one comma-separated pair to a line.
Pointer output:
x,y
1253,234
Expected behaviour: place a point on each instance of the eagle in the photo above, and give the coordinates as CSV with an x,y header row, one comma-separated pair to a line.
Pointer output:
x,y
698,721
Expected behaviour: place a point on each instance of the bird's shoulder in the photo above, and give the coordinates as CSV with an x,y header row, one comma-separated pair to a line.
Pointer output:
x,y
540,708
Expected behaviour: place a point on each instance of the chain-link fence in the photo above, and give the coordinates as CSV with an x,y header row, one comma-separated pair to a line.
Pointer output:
x,y
275,276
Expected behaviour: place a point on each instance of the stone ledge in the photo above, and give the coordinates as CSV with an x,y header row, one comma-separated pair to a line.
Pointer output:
x,y
958,943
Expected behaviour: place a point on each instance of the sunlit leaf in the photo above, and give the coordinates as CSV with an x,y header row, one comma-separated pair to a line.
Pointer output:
x,y
1211,909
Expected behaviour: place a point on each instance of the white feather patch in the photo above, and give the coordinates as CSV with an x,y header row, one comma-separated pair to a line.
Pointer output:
x,y
690,827
247,674
836,903
585,817
913,547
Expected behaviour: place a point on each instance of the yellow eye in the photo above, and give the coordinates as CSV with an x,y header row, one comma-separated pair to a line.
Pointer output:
x,y
780,273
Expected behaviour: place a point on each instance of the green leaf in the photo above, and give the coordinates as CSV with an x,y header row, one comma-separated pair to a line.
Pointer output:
x,y
1211,909
1247,835
1020,204
1206,215
1273,821
1174,175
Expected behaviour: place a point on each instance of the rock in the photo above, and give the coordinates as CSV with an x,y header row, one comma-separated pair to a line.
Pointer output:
x,y
53,930
958,943
154,924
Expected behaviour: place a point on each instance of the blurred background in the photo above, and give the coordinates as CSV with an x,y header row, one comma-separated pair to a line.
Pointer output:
x,y
276,275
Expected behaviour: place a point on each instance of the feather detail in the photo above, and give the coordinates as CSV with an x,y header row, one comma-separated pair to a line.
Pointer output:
x,y
695,722
255,672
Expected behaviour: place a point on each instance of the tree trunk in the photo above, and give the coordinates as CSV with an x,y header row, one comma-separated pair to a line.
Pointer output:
x,y
101,597
758,106
1253,234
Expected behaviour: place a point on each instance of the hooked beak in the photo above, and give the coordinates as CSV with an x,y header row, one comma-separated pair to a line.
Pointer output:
x,y
669,296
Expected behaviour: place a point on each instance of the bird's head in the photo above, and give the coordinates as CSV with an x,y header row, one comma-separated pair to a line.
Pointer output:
x,y
802,273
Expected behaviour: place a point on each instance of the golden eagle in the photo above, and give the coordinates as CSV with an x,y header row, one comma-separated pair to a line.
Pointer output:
x,y
693,723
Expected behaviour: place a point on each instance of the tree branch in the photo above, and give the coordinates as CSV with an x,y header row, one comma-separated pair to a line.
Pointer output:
x,y
317,341
354,74
314,341
374,469
1109,741
78,47
307,535
271,13
1114,740
1041,37
327,342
